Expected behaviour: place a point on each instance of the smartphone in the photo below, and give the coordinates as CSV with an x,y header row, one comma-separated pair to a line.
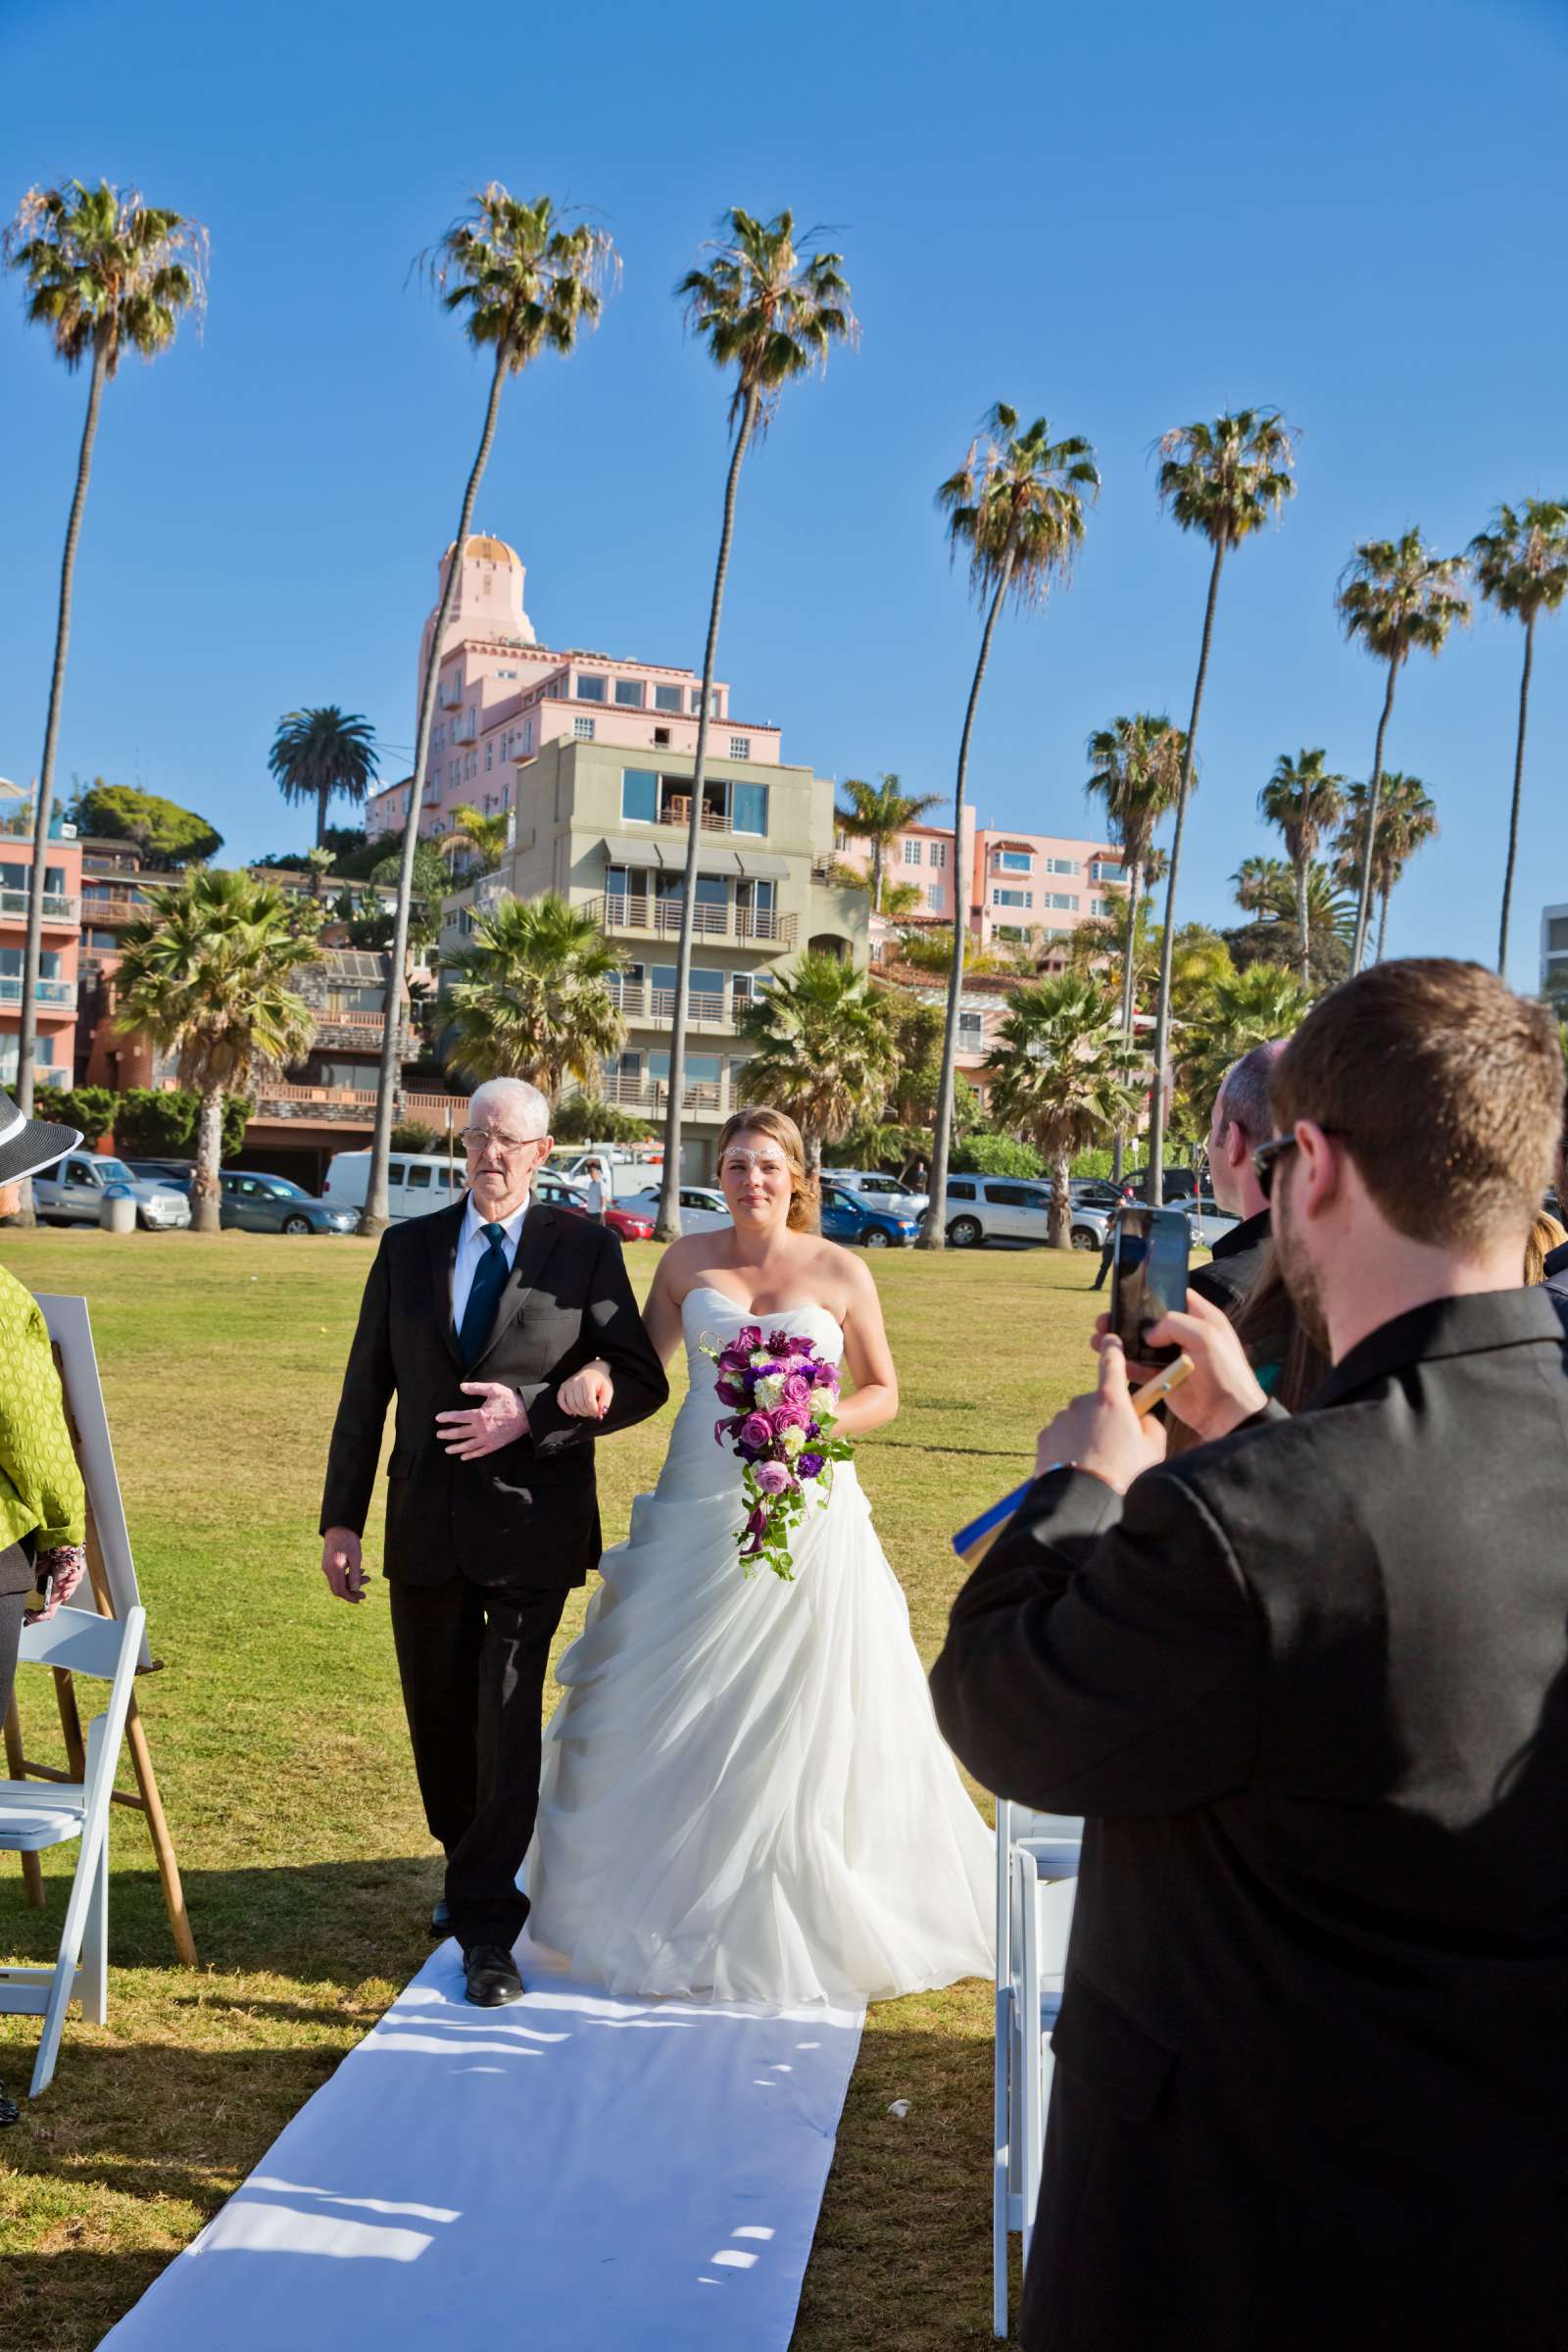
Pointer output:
x,y
1149,1276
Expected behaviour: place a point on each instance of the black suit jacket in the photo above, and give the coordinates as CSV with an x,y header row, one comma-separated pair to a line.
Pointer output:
x,y
529,1514
1235,1265
1310,1687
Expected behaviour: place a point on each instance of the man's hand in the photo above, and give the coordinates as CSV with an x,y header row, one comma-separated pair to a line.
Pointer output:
x,y
1101,1432
1221,1391
588,1393
341,1564
499,1421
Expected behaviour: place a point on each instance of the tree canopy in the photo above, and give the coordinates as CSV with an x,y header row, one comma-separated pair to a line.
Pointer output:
x,y
166,834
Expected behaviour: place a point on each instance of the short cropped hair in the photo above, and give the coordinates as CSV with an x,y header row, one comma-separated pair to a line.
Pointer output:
x,y
515,1099
1445,1089
1244,1090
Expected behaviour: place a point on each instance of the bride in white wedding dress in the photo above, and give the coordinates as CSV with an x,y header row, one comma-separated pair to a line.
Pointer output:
x,y
744,1795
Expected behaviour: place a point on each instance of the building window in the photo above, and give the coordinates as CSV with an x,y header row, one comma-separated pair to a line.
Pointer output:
x,y
1062,898
912,853
1104,869
714,707
590,689
971,1032
639,795
527,735
1015,862
747,808
662,737
1062,865
740,747
1012,898
583,729
489,757
1107,906
933,896
939,853
668,698
630,693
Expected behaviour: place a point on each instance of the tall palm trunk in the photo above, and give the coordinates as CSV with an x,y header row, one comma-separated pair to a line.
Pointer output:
x,y
934,1230
205,1190
1303,856
324,794
1363,895
1518,794
32,951
877,873
375,1217
667,1228
1129,996
1383,919
1156,1186
1058,1226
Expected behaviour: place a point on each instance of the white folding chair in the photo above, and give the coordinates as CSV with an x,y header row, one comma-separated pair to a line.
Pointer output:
x,y
1037,1862
35,1814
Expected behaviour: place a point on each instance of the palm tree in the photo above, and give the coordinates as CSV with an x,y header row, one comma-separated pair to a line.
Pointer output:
x,y
524,281
106,274
536,995
1230,1014
205,973
1138,764
1396,595
771,310
902,899
317,752
877,813
826,1049
1016,507
1521,566
1268,887
484,838
1060,1076
1407,817
1225,480
1305,802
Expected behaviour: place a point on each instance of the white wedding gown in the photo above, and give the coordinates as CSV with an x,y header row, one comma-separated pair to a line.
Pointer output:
x,y
744,1795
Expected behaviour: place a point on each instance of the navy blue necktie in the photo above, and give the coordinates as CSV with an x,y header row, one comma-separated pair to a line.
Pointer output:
x,y
489,1280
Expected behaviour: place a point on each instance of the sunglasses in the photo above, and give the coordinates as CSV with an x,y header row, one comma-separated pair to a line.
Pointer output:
x,y
1265,1159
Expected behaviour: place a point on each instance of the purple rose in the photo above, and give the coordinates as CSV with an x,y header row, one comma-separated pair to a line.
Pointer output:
x,y
771,1478
809,1465
756,1434
797,1389
790,1416
825,1376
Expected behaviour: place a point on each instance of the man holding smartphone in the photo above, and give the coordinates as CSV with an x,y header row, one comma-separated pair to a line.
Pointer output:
x,y
1307,1686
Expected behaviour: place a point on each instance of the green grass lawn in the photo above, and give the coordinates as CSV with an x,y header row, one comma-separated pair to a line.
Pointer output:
x,y
278,1738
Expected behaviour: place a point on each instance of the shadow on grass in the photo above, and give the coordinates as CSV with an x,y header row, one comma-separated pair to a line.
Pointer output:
x,y
63,2301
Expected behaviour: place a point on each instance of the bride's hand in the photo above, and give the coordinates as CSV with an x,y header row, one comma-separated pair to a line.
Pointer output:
x,y
589,1393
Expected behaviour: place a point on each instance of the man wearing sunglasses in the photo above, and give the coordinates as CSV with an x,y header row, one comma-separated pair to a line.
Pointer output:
x,y
1308,1683
509,1334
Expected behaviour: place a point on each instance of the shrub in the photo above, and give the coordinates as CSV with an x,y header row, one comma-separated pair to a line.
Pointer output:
x,y
154,1124
983,1154
89,1108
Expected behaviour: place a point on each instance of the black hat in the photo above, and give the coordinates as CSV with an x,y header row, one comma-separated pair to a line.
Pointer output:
x,y
28,1146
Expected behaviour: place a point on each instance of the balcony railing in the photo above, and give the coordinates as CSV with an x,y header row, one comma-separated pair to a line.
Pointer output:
x,y
115,907
704,1098
661,917
57,906
677,810
704,1010
434,1110
55,995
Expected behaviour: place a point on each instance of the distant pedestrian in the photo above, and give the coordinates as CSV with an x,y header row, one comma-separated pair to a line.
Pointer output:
x,y
596,1198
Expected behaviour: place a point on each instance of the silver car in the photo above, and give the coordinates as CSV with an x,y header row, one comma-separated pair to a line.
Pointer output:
x,y
702,1209
878,1190
73,1194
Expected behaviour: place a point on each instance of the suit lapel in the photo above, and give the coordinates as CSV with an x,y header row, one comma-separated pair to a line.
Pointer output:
x,y
444,1231
534,1243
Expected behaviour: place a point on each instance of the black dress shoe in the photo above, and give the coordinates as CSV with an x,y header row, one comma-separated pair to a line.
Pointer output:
x,y
440,1921
492,1976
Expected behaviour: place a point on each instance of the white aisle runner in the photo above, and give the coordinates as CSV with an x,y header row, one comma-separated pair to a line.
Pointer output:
x,y
574,2172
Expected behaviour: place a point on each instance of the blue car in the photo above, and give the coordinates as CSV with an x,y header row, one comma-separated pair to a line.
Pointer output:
x,y
847,1219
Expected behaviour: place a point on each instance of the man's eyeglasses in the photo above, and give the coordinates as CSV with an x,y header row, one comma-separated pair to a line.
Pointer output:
x,y
1265,1159
475,1139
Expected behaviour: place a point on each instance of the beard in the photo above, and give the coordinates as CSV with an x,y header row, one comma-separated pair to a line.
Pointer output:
x,y
1298,1274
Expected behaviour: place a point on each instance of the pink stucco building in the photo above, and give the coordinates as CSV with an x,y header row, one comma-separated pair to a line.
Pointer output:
x,y
1019,887
500,697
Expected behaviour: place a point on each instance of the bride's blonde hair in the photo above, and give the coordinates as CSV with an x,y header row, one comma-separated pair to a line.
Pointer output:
x,y
805,1192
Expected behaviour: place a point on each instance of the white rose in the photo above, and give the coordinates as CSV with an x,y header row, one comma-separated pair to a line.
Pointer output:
x,y
792,1442
768,1391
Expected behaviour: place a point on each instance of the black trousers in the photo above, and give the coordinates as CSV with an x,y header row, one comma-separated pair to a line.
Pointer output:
x,y
473,1664
1107,1258
11,1614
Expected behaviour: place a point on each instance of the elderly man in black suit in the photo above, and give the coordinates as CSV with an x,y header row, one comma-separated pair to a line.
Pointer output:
x,y
1310,1685
492,1512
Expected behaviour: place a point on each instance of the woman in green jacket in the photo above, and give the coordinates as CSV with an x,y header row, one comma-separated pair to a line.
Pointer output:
x,y
42,1506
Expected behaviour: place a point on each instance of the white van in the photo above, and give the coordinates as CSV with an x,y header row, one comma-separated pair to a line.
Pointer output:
x,y
622,1172
416,1182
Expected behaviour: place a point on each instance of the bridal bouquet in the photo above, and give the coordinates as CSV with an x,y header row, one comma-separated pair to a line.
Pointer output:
x,y
785,1399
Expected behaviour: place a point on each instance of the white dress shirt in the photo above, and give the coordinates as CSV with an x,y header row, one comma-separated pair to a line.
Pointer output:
x,y
473,1246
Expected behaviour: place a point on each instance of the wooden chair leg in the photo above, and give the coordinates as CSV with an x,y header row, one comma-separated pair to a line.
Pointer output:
x,y
71,1723
158,1831
32,1868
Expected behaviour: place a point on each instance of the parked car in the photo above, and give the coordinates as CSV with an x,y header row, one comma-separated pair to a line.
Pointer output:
x,y
847,1217
73,1194
1178,1182
628,1224
416,1182
878,1188
627,1221
1097,1192
177,1174
702,1209
1209,1220
253,1203
1006,1209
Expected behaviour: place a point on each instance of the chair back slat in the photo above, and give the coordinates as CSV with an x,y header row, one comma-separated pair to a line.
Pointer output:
x,y
77,1639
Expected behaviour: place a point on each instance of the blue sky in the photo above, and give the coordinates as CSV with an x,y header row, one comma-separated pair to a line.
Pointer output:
x,y
1125,219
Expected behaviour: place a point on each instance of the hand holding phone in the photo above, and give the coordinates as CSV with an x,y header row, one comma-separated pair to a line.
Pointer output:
x,y
1149,1277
